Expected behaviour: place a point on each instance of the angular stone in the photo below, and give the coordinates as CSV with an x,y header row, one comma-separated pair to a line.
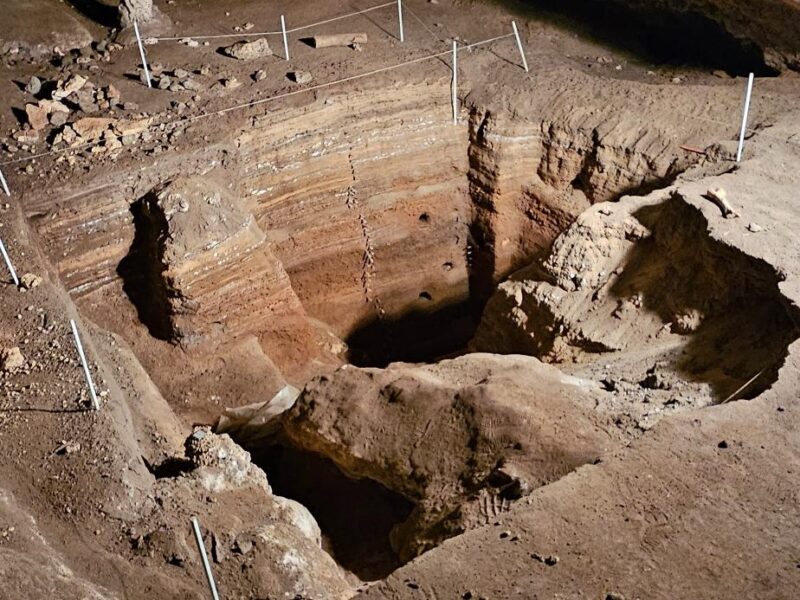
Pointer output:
x,y
300,77
37,116
34,86
11,359
30,281
249,50
91,128
72,85
126,128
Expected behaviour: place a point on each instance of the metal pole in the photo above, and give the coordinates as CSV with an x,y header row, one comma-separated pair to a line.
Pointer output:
x,y
198,536
86,371
8,264
142,54
747,95
285,39
4,183
455,82
400,18
519,45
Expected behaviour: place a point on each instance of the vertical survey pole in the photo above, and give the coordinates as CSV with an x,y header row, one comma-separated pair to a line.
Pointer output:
x,y
285,39
4,183
86,372
201,547
519,45
400,20
454,90
8,264
745,114
142,54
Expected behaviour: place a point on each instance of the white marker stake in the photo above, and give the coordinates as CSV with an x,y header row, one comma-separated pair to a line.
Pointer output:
x,y
519,45
204,557
285,39
8,264
455,83
5,184
86,371
142,54
744,117
400,18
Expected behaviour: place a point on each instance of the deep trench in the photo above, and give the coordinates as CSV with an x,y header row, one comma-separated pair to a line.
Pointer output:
x,y
356,516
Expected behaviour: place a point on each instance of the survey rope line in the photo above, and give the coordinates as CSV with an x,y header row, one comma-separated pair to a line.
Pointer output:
x,y
292,30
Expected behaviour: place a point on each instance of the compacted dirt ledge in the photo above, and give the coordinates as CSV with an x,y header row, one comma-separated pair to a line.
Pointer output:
x,y
704,504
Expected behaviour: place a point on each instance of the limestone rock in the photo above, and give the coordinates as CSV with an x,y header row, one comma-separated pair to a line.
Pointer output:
x,y
220,464
447,435
301,77
30,281
249,50
34,86
37,116
11,359
70,86
92,128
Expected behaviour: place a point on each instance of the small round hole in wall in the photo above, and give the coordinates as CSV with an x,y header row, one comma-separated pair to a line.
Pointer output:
x,y
425,296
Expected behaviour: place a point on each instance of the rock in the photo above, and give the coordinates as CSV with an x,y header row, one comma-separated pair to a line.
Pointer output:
x,y
91,128
164,82
231,83
132,127
754,228
58,119
72,85
218,551
180,73
86,101
486,411
550,560
220,464
30,281
242,545
301,77
11,359
34,86
53,106
249,50
721,74
192,85
113,94
67,448
37,116
26,136
260,75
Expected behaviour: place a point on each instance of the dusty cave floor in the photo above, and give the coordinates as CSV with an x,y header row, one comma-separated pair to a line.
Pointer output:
x,y
705,503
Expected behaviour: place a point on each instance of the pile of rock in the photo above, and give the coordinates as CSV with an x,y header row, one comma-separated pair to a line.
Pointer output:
x,y
176,80
59,100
